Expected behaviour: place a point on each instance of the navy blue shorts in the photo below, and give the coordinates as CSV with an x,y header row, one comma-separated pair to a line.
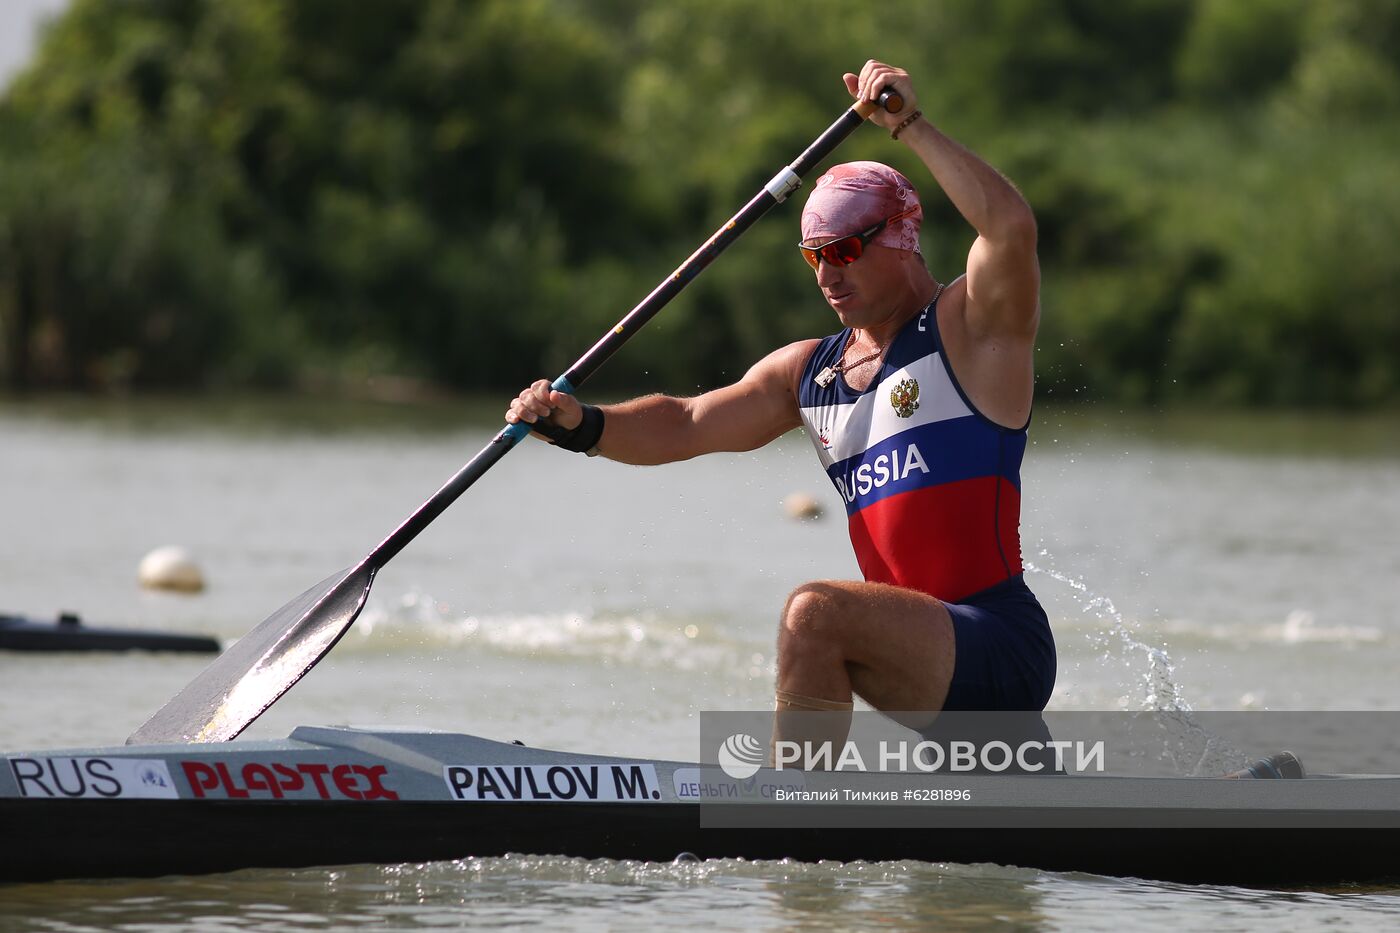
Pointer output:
x,y
1004,652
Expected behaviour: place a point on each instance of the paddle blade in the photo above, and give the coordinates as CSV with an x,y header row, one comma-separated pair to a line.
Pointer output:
x,y
264,664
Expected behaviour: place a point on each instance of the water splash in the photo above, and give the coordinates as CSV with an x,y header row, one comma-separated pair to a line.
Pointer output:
x,y
1161,691
1185,743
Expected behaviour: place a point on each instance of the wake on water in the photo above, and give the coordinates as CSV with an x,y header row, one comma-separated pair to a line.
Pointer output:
x,y
649,642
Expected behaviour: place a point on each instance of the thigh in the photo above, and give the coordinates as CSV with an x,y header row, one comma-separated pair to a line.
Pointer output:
x,y
898,644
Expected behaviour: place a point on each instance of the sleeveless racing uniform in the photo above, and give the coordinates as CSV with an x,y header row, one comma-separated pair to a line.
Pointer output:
x,y
932,491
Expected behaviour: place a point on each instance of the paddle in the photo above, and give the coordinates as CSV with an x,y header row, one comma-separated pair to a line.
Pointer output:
x,y
264,664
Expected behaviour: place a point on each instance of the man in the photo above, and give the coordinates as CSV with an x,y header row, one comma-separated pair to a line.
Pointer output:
x,y
918,410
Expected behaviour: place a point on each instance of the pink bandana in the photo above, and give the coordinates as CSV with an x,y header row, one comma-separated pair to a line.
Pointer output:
x,y
856,195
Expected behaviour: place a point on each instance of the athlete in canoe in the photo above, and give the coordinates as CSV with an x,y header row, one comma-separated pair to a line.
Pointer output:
x,y
918,409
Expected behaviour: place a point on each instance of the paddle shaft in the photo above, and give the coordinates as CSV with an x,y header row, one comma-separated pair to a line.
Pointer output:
x,y
773,193
245,680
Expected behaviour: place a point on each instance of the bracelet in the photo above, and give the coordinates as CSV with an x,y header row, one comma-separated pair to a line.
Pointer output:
x,y
584,438
907,120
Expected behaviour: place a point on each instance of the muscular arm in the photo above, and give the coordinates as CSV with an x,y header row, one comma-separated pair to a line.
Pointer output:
x,y
662,429
989,318
1003,273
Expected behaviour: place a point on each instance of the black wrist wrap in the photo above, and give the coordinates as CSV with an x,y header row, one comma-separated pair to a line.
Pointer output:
x,y
585,437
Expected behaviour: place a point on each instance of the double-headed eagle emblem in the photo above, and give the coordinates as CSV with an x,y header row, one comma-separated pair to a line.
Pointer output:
x,y
905,397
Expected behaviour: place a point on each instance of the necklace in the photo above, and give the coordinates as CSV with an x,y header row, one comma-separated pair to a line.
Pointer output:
x,y
828,375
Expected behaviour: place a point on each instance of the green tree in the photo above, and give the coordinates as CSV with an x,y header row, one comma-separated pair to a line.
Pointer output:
x,y
269,192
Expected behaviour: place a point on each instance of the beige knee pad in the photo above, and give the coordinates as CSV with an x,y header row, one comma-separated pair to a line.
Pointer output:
x,y
786,700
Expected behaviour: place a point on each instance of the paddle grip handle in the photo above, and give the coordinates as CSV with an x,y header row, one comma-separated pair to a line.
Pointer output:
x,y
890,101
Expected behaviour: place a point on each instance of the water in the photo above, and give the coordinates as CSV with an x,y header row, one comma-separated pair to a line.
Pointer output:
x,y
522,892
1192,564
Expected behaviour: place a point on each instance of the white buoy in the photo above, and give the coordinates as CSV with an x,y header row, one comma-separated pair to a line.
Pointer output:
x,y
800,505
170,568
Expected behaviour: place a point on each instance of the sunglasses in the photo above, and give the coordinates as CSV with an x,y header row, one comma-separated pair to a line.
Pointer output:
x,y
845,250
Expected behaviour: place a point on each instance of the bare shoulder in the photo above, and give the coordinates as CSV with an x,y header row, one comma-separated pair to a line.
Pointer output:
x,y
994,365
783,367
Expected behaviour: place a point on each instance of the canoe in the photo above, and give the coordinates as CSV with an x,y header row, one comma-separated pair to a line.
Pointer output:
x,y
334,795
69,633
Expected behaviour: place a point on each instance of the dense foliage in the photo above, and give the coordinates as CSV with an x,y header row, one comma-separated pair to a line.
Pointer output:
x,y
204,193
